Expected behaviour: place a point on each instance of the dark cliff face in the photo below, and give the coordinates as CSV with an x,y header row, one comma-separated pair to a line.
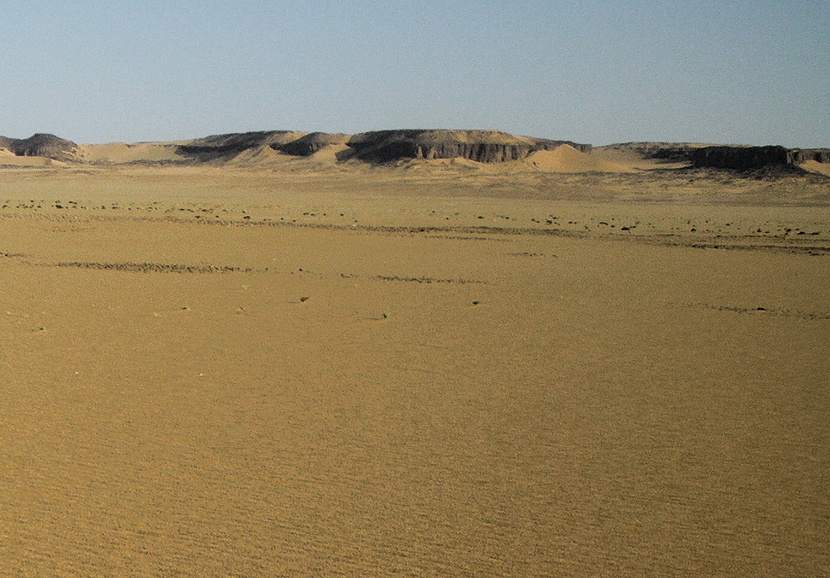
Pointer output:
x,y
39,145
740,158
479,146
751,158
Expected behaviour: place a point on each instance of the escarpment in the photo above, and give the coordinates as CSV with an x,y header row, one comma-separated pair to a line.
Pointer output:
x,y
394,146
380,146
480,146
751,158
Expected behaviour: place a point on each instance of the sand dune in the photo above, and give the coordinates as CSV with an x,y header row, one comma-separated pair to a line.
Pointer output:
x,y
566,159
9,159
258,157
116,153
816,167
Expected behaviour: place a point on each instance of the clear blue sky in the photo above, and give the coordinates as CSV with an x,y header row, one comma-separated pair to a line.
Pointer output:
x,y
727,71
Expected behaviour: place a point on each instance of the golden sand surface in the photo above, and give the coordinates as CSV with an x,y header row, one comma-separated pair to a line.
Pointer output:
x,y
431,370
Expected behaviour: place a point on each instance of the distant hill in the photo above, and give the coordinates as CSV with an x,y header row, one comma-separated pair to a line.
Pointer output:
x,y
394,147
311,143
476,145
382,146
227,145
662,151
39,145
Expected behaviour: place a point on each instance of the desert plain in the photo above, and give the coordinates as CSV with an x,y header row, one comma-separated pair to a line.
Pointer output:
x,y
569,365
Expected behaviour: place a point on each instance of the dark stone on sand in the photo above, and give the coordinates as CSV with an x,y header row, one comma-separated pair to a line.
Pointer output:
x,y
39,145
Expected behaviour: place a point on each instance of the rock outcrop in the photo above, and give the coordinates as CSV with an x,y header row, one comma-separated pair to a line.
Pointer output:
x,y
380,146
803,155
311,143
476,145
740,158
231,144
752,158
39,145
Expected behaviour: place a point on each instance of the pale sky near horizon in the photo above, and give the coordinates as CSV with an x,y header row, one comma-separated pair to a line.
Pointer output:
x,y
599,72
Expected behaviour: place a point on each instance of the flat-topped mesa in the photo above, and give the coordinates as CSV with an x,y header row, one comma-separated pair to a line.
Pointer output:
x,y
476,145
750,158
39,145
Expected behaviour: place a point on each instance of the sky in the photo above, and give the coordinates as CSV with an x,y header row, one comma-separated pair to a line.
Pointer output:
x,y
599,72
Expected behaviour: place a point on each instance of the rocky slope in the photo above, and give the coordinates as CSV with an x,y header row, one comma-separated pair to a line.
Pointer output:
x,y
311,143
39,145
480,146
228,145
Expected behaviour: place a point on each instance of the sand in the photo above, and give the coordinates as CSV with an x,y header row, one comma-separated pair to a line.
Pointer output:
x,y
437,369
566,159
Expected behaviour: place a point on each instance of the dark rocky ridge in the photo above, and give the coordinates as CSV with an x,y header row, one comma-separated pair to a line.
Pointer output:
x,y
311,143
39,145
222,145
380,146
751,158
480,146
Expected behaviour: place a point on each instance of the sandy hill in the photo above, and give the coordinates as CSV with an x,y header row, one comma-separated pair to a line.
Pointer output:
x,y
813,166
122,153
567,159
9,159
